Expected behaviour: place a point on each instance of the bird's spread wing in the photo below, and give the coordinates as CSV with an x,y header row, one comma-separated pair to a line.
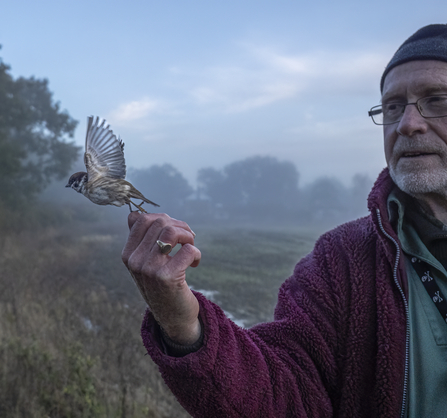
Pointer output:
x,y
104,152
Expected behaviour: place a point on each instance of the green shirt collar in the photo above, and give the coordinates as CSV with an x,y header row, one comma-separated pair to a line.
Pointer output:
x,y
398,204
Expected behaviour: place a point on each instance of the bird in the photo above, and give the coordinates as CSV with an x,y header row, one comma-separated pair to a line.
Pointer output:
x,y
104,183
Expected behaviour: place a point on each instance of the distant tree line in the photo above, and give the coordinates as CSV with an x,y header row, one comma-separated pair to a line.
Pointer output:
x,y
256,189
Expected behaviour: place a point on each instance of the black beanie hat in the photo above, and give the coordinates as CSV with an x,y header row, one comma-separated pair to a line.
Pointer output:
x,y
428,43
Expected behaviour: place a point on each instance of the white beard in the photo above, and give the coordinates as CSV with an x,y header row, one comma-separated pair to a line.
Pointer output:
x,y
421,181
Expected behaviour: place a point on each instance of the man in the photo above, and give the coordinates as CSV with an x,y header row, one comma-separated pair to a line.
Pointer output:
x,y
359,329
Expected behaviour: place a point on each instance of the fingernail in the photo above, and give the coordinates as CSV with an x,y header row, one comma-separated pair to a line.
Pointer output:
x,y
193,233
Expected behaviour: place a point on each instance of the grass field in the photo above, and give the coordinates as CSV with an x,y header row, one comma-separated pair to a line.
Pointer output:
x,y
71,315
246,267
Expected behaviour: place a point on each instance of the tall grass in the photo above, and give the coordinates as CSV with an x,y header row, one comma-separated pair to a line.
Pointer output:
x,y
69,328
70,315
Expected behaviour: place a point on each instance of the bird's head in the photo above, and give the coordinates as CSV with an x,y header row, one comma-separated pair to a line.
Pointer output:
x,y
76,181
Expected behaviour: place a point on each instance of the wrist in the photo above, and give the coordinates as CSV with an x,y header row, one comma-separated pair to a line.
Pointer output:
x,y
183,334
179,348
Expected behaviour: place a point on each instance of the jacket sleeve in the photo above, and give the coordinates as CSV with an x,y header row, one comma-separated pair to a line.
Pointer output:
x,y
284,368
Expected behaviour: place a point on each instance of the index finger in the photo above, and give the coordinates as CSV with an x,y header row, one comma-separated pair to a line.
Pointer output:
x,y
148,227
135,216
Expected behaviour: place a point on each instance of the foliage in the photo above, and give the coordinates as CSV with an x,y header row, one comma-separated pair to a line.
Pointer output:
x,y
256,187
265,189
212,184
59,385
33,138
163,184
326,200
69,329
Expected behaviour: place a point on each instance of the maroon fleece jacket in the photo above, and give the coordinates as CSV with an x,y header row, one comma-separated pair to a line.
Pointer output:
x,y
336,348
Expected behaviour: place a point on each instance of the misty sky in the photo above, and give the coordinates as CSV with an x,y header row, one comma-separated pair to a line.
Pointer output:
x,y
206,83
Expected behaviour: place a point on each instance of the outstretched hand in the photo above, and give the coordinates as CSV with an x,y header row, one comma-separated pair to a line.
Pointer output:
x,y
159,277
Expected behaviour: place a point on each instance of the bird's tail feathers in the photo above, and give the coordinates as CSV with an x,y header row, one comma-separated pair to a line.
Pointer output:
x,y
149,201
138,195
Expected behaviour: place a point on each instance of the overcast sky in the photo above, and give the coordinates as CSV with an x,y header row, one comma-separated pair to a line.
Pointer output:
x,y
206,83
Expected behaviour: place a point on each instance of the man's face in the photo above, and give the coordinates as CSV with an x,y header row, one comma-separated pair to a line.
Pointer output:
x,y
415,147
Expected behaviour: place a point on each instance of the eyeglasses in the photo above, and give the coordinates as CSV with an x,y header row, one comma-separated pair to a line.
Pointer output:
x,y
428,107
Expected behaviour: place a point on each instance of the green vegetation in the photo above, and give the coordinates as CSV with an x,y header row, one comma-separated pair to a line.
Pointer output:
x,y
71,315
246,267
33,138
69,329
62,383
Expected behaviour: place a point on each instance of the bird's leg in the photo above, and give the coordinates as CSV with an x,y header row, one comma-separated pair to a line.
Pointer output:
x,y
138,206
130,208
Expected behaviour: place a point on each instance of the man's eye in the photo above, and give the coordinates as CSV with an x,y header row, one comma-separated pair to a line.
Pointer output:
x,y
434,105
392,108
436,100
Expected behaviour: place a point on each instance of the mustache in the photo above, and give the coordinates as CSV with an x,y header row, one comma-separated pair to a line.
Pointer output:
x,y
413,145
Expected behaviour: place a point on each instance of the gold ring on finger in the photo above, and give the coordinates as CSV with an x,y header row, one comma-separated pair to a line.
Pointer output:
x,y
165,248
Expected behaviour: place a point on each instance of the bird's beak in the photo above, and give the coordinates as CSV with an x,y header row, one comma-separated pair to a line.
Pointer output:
x,y
67,185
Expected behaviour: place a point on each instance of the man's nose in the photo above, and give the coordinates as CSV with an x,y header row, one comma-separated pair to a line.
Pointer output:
x,y
412,121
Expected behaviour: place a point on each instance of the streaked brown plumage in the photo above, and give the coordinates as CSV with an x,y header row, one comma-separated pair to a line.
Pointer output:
x,y
104,182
